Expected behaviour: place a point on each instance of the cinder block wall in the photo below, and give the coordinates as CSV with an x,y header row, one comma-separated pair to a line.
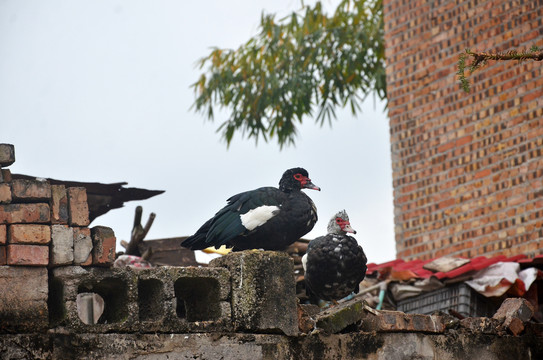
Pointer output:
x,y
467,167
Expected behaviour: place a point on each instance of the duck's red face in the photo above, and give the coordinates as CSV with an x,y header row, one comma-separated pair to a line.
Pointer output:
x,y
345,225
305,182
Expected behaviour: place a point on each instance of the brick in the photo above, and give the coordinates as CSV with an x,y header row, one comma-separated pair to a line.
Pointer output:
x,y
23,190
23,299
82,246
29,234
78,207
7,154
6,175
103,242
3,234
59,205
514,308
62,245
24,213
27,255
5,193
392,321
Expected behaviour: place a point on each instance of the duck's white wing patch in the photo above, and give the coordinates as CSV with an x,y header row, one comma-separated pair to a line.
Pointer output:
x,y
257,217
304,262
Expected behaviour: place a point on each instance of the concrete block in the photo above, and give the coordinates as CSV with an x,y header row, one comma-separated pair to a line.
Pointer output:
x,y
184,299
23,299
104,243
62,245
27,255
59,205
82,246
7,154
263,291
117,288
23,190
3,234
5,193
29,234
78,208
165,299
24,213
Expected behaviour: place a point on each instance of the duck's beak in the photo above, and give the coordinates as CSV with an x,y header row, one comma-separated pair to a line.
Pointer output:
x,y
309,185
349,229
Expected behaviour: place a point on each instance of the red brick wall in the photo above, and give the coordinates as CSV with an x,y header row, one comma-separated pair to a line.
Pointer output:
x,y
467,167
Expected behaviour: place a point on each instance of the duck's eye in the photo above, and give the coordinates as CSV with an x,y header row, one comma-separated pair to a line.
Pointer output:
x,y
298,177
338,220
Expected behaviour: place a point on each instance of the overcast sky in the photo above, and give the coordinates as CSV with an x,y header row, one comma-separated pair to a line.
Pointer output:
x,y
100,91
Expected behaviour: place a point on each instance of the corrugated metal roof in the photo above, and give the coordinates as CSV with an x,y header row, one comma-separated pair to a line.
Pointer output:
x,y
415,268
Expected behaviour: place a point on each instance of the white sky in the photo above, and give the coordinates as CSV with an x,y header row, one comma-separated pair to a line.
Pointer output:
x,y
100,91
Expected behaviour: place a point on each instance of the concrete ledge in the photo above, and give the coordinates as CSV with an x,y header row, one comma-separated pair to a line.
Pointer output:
x,y
363,346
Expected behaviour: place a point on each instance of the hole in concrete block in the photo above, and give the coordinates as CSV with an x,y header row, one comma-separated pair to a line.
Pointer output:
x,y
115,295
150,299
197,299
90,307
55,301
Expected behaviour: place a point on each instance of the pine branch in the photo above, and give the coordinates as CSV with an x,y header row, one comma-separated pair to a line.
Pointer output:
x,y
479,59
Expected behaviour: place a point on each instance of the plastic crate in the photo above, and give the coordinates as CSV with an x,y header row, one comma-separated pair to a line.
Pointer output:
x,y
459,297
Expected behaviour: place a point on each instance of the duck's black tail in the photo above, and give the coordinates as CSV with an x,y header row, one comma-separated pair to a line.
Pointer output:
x,y
198,240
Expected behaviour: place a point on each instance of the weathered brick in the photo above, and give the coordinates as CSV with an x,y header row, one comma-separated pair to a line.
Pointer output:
x,y
59,205
3,234
78,207
103,242
6,175
62,245
23,299
24,213
5,193
7,154
514,308
30,190
29,234
82,246
27,255
398,321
